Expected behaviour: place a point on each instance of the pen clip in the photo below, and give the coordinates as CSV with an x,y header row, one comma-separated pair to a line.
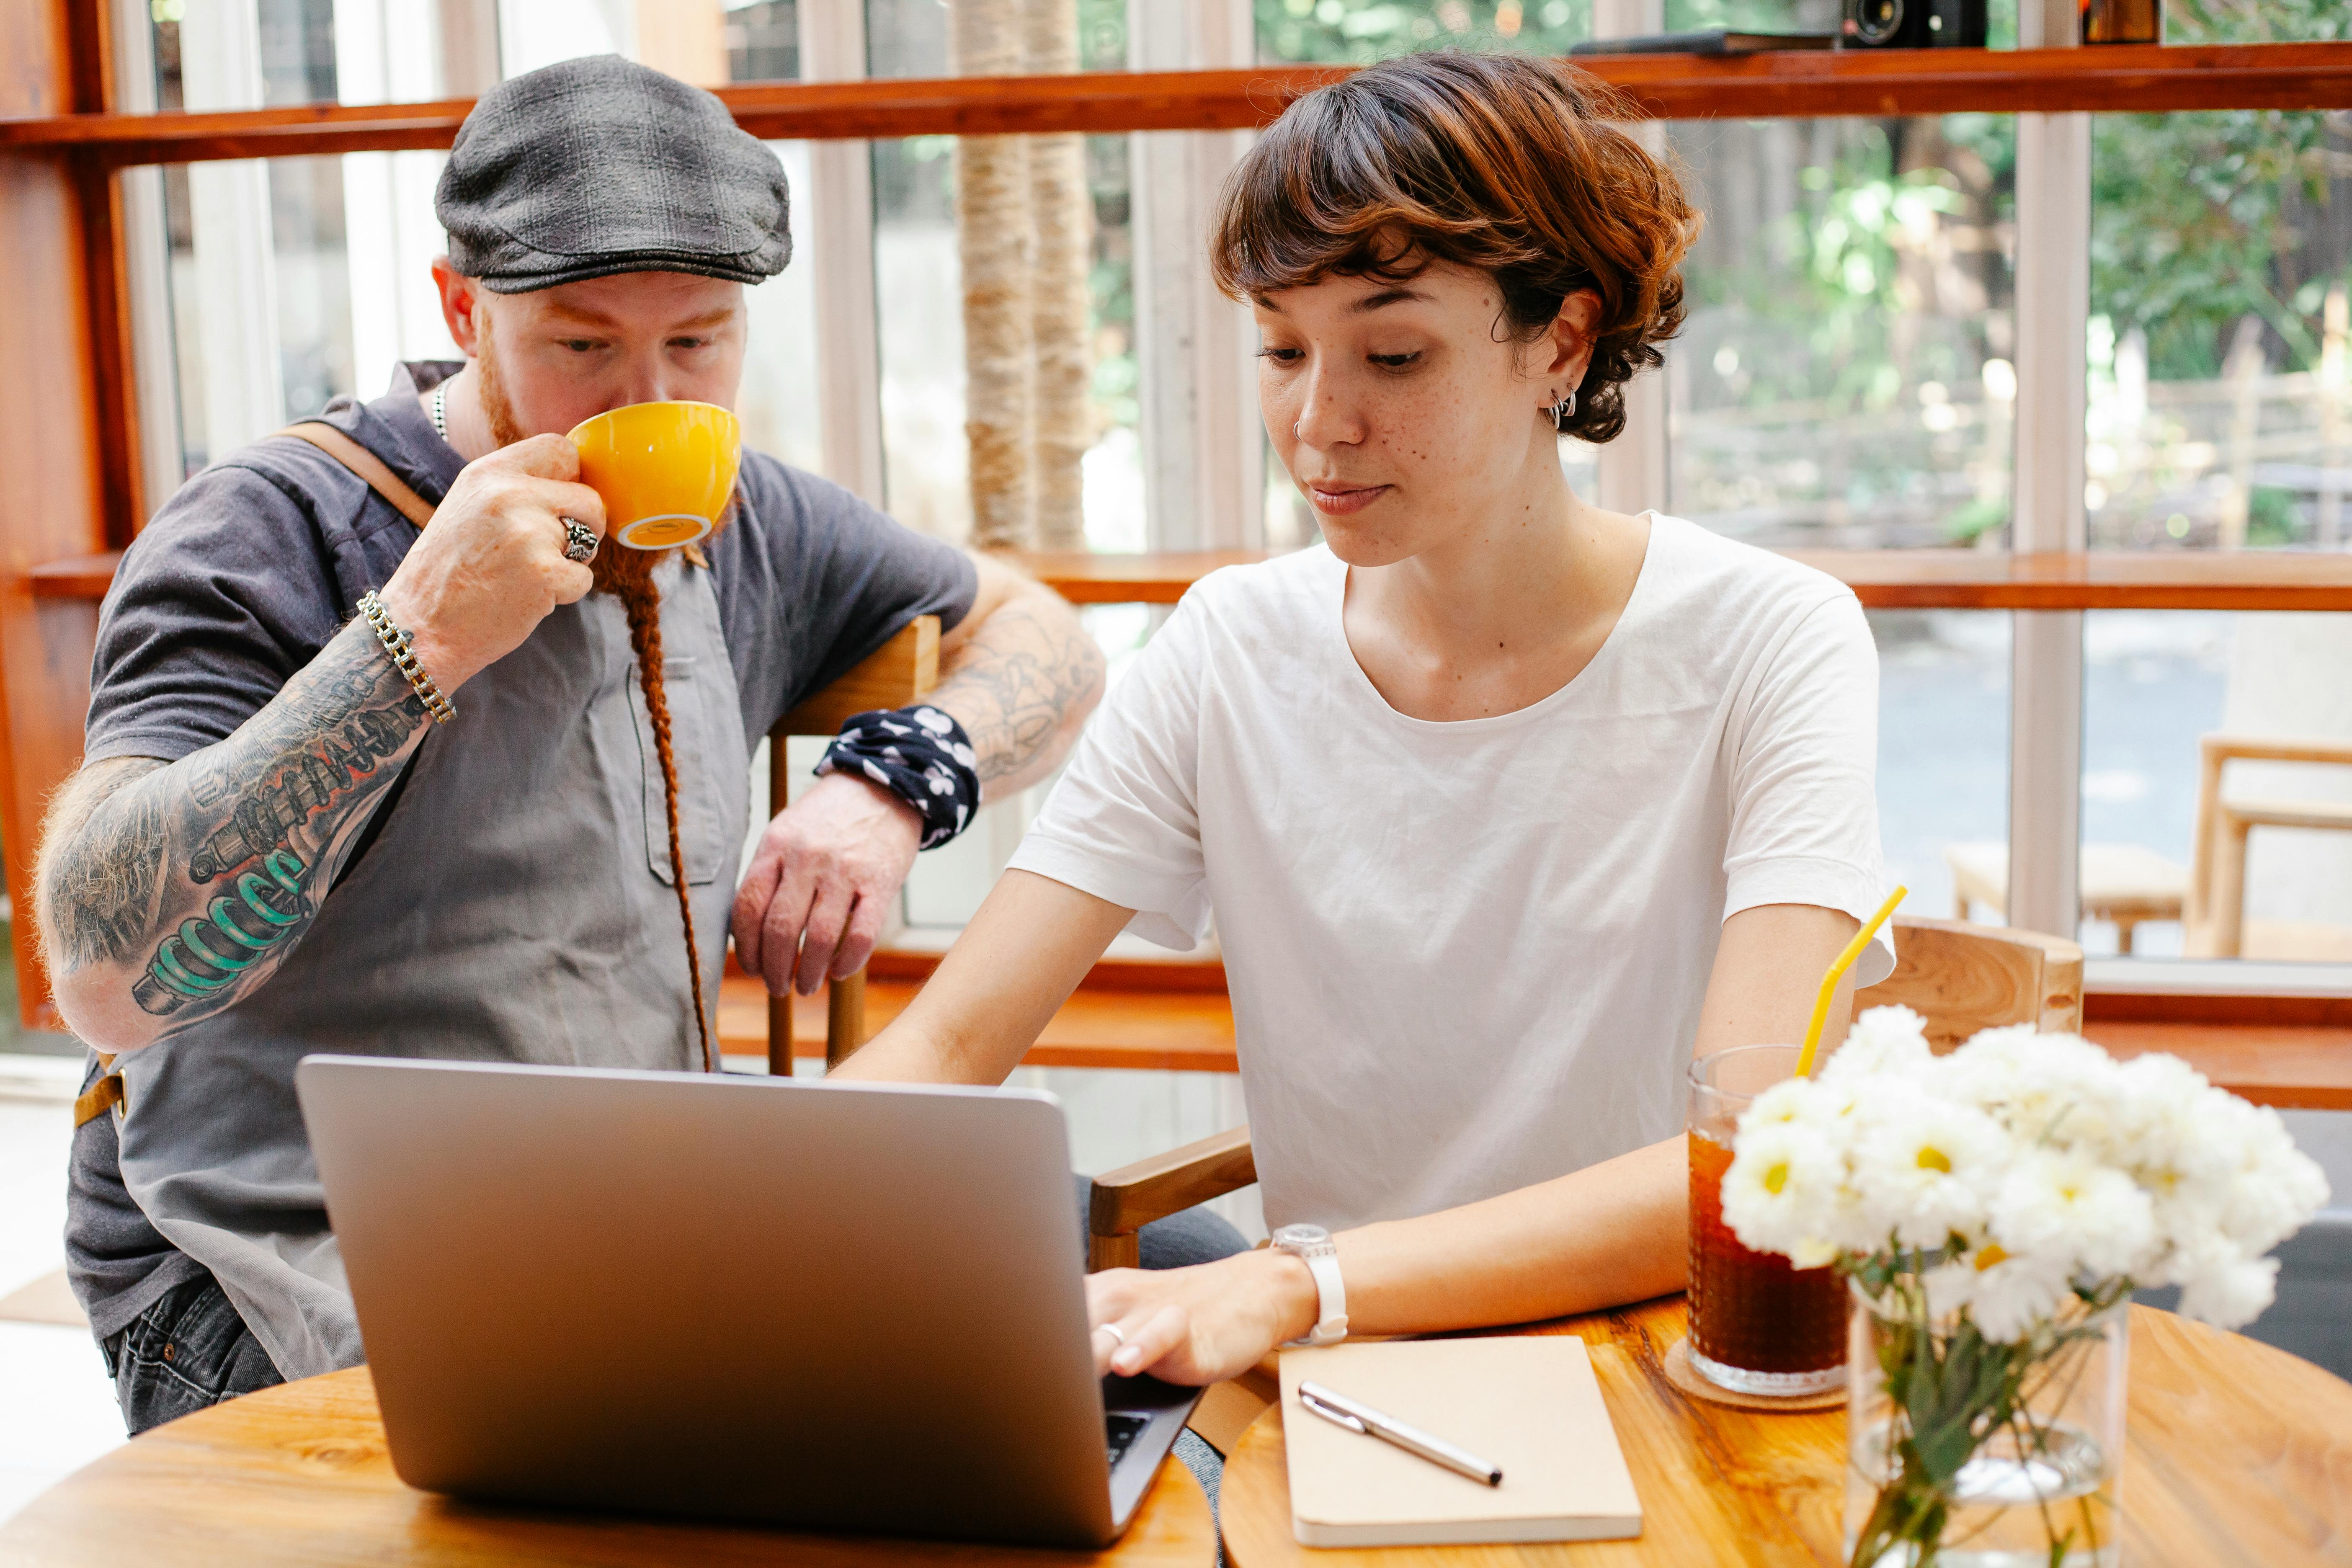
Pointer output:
x,y
1333,1414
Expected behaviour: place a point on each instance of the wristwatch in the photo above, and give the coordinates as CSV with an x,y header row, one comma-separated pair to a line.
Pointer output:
x,y
1313,1245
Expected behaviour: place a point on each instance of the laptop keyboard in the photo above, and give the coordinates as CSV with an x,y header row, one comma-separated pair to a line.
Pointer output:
x,y
1122,1431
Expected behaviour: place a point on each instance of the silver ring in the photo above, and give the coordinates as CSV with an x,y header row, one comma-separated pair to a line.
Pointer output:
x,y
1112,1329
579,540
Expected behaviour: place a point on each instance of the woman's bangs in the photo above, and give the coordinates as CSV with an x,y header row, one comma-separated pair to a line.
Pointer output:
x,y
1319,203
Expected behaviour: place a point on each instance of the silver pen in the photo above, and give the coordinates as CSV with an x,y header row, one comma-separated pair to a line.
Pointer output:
x,y
1361,1418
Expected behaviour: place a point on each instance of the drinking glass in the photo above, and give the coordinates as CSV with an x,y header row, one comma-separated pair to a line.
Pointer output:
x,y
1758,1325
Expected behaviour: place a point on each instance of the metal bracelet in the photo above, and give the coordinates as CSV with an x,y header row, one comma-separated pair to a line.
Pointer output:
x,y
396,643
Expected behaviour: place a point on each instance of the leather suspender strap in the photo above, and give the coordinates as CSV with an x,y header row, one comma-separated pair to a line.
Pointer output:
x,y
100,1097
366,465
386,483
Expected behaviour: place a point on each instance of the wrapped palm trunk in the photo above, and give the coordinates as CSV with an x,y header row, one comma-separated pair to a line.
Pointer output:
x,y
1022,234
1058,187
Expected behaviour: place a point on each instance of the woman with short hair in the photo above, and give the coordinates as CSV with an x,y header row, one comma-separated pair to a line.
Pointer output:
x,y
1504,803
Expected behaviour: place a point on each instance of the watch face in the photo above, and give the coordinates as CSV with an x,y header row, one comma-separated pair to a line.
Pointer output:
x,y
1302,1236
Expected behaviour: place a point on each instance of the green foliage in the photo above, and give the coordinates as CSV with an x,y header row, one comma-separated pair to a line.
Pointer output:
x,y
1102,35
2194,225
1837,275
1357,32
1953,1393
2200,219
2273,516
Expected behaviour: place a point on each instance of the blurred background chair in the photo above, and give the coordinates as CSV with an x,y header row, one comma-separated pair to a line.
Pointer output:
x,y
1961,977
2123,883
2130,883
2215,911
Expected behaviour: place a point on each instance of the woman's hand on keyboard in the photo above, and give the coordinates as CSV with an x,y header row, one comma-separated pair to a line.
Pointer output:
x,y
1201,1325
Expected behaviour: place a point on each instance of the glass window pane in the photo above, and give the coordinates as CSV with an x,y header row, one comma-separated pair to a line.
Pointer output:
x,y
2162,874
763,40
1942,757
2157,684
2220,411
1846,374
778,399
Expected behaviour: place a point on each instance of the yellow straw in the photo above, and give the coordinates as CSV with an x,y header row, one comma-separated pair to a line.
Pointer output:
x,y
1837,972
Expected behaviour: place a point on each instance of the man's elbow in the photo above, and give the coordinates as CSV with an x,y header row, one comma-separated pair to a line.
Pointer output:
x,y
98,1011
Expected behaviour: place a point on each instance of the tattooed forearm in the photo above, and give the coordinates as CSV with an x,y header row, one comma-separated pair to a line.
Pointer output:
x,y
1021,688
183,888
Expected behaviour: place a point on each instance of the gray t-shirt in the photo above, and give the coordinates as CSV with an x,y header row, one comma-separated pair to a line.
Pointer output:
x,y
256,563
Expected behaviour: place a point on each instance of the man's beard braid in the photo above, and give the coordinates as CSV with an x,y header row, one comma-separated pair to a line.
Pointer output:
x,y
629,575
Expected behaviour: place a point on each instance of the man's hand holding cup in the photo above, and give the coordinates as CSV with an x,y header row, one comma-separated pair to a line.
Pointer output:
x,y
493,563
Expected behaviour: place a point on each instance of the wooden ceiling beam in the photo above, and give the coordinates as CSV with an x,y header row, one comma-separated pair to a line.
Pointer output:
x,y
2116,78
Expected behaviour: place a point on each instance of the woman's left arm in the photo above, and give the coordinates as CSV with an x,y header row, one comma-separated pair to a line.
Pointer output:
x,y
1610,1233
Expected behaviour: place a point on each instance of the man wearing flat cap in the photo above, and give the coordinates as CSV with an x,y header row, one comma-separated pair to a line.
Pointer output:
x,y
354,784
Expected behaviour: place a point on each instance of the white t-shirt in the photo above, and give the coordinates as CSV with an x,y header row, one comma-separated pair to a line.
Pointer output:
x,y
1468,957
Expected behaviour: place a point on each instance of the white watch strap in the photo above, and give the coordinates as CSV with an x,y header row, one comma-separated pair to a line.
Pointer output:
x,y
1330,1294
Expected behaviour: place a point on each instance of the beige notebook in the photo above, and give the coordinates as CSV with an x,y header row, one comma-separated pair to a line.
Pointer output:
x,y
1528,1405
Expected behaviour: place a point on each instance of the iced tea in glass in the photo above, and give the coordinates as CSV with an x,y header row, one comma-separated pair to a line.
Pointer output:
x,y
1758,1325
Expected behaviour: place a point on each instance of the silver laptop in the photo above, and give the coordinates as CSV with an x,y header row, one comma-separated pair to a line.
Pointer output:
x,y
834,1306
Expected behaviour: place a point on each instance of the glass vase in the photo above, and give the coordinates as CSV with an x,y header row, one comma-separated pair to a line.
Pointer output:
x,y
1961,1453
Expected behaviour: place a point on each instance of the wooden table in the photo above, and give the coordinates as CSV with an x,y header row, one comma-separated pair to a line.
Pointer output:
x,y
299,1476
2236,1453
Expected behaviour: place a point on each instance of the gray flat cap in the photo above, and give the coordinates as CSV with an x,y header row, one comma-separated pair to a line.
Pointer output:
x,y
595,166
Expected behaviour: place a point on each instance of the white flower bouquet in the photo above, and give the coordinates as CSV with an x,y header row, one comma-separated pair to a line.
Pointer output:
x,y
1994,1208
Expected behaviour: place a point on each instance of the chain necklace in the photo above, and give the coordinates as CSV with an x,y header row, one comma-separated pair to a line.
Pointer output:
x,y
441,411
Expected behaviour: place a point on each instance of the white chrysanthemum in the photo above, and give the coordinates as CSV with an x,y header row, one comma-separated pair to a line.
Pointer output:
x,y
2010,1296
2233,1295
1926,1166
2067,1213
2050,1165
1777,1193
1825,1109
1950,1286
1884,1041
2271,1187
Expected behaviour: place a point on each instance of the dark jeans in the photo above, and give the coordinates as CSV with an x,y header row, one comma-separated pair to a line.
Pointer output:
x,y
187,1353
191,1350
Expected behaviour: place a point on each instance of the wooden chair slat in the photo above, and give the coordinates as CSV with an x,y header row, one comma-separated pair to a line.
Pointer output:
x,y
901,671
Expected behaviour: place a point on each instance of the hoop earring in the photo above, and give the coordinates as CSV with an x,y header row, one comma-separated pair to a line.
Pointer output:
x,y
1564,410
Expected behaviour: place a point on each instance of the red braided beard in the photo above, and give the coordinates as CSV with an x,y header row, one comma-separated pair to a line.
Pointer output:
x,y
629,575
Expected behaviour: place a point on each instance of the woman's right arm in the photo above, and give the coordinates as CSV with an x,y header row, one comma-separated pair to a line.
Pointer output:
x,y
169,892
1025,951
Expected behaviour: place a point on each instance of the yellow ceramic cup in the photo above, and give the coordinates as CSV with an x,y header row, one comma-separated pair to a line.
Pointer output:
x,y
665,469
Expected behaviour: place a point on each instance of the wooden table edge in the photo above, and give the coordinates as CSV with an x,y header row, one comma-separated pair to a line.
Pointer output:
x,y
2167,1356
333,1437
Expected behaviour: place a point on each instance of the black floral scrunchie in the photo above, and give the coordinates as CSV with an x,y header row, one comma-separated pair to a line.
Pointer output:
x,y
921,755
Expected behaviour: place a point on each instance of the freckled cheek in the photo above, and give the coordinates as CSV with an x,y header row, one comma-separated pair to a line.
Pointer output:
x,y
1279,403
1431,429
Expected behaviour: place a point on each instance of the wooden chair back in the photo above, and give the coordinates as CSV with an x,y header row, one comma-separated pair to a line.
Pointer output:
x,y
1961,977
902,670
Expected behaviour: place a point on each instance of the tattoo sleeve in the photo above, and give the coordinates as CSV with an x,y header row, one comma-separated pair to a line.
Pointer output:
x,y
1020,687
186,885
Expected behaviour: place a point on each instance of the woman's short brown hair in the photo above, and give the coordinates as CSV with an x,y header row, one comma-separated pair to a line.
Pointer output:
x,y
1514,164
